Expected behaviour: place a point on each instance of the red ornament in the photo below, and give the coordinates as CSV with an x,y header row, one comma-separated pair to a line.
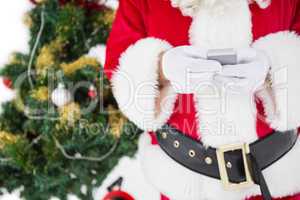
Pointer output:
x,y
118,195
7,82
92,93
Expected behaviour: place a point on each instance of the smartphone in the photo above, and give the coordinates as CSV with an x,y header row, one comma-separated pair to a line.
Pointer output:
x,y
224,56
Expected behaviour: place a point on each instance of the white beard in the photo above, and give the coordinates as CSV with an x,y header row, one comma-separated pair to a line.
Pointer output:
x,y
191,7
221,24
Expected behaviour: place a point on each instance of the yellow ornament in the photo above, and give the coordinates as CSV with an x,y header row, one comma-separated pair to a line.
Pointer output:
x,y
70,113
40,94
7,138
116,121
79,64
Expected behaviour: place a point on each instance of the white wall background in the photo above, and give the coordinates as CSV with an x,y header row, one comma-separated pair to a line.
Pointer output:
x,y
14,34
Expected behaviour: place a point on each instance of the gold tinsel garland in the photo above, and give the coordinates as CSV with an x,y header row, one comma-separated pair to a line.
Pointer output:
x,y
70,113
109,17
40,94
47,55
7,138
82,62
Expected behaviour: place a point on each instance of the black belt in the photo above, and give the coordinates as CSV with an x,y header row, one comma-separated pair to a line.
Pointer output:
x,y
235,165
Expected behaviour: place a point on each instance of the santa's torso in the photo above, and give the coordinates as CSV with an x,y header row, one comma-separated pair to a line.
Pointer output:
x,y
231,24
163,21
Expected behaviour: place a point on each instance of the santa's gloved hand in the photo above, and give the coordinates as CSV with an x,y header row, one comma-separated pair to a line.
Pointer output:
x,y
187,69
248,75
187,7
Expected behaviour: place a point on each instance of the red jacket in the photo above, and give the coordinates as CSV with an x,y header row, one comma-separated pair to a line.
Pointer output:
x,y
145,28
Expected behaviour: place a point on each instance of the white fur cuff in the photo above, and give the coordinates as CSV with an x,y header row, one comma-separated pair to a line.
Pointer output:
x,y
282,101
135,85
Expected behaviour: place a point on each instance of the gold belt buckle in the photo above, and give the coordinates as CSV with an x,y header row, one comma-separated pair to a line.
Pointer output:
x,y
245,148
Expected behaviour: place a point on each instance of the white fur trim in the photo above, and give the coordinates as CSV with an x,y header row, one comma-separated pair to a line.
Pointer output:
x,y
266,95
180,183
283,50
225,24
135,84
187,7
226,116
191,7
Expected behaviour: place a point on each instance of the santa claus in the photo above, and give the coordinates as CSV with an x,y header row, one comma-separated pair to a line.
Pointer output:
x,y
214,83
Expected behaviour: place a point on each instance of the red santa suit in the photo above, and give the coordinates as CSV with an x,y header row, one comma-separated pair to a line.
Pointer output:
x,y
143,29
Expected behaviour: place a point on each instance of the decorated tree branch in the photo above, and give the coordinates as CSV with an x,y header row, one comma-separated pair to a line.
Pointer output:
x,y
63,130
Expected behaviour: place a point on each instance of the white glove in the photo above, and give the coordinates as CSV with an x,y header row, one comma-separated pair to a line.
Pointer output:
x,y
187,7
186,68
248,75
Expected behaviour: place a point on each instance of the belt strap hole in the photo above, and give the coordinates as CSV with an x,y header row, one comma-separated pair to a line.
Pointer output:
x,y
192,153
208,160
176,144
164,135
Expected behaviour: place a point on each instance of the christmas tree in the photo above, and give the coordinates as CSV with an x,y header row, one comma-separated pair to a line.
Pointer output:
x,y
62,132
